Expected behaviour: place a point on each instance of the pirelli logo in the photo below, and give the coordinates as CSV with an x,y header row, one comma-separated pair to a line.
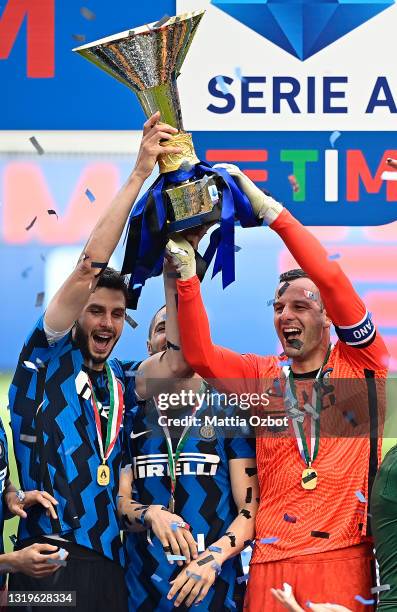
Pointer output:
x,y
189,464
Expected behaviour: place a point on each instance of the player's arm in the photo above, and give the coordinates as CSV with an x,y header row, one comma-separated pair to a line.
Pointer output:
x,y
70,299
170,364
172,531
342,303
37,560
194,582
17,501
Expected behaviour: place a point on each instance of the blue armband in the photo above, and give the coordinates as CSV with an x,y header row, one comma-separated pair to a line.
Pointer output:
x,y
362,333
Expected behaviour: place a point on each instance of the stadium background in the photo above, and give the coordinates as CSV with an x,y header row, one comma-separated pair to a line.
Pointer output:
x,y
68,113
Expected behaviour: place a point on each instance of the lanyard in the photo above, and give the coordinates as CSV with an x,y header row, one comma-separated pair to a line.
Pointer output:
x,y
297,417
173,456
115,414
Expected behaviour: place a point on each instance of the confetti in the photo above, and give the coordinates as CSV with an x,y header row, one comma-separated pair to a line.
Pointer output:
x,y
286,362
205,560
349,416
232,538
237,248
251,471
161,22
186,166
200,542
334,137
290,518
283,289
248,497
39,299
310,295
249,543
294,183
40,363
268,540
222,85
192,575
148,538
246,513
36,145
309,477
230,602
31,224
365,602
360,497
270,302
215,549
13,539
42,257
320,534
241,579
30,365
87,13
174,526
156,578
334,256
56,562
176,557
51,211
389,176
215,566
78,37
90,195
287,589
380,588
295,343
239,75
26,271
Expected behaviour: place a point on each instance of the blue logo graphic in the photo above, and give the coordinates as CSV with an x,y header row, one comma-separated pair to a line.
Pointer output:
x,y
302,27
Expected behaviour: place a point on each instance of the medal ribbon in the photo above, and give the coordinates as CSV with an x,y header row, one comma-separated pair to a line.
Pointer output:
x,y
173,457
299,431
115,414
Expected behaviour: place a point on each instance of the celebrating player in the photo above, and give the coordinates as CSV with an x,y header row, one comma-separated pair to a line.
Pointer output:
x,y
186,484
312,514
67,407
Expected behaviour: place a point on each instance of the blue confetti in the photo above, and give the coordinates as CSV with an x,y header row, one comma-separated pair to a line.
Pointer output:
x,y
237,248
360,497
156,578
90,195
287,362
269,540
270,302
290,518
174,526
196,577
239,75
215,566
215,549
241,579
222,85
176,558
230,602
365,602
334,137
334,256
26,272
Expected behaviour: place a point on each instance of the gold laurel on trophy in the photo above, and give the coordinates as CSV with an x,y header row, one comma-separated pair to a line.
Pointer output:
x,y
169,162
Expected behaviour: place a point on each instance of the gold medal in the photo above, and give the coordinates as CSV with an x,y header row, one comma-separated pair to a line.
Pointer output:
x,y
103,475
309,479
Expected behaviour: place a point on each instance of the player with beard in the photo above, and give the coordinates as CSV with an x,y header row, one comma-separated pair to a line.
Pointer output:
x,y
315,479
67,405
212,499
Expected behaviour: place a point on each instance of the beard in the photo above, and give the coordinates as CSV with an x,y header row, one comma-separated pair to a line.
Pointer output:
x,y
80,338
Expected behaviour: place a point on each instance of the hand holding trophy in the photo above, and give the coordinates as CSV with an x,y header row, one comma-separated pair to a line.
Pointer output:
x,y
188,193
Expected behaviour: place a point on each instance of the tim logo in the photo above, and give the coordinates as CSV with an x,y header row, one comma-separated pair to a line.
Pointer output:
x,y
39,16
189,464
302,27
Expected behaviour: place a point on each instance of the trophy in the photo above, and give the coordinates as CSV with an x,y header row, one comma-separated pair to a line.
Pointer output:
x,y
148,60
188,193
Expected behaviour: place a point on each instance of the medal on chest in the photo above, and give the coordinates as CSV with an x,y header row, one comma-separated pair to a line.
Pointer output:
x,y
103,475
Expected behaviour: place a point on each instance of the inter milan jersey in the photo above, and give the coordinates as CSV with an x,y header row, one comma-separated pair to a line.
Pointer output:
x,y
3,478
203,497
56,445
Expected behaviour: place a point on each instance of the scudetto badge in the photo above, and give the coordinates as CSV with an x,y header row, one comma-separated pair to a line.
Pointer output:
x,y
207,432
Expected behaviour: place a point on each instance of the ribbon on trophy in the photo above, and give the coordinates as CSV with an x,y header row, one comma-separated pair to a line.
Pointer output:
x,y
147,231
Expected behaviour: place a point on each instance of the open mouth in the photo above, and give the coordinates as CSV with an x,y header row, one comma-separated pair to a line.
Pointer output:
x,y
291,333
101,342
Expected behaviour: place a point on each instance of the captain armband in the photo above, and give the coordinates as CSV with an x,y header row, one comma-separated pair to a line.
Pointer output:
x,y
359,335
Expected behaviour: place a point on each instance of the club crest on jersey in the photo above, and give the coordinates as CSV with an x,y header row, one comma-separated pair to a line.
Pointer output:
x,y
207,432
189,464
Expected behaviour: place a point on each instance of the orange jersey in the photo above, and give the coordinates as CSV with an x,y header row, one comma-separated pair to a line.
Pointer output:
x,y
351,427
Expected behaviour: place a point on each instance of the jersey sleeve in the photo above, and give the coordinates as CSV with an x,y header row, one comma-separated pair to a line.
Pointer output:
x,y
224,369
240,448
4,469
362,344
39,349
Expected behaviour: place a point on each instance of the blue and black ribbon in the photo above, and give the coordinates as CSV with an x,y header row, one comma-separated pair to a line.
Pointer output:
x,y
147,231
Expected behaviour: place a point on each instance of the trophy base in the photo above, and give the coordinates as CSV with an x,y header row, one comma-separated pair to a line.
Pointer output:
x,y
192,204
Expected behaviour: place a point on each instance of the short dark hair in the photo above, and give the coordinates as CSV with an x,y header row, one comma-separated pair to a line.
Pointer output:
x,y
111,279
291,275
153,320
